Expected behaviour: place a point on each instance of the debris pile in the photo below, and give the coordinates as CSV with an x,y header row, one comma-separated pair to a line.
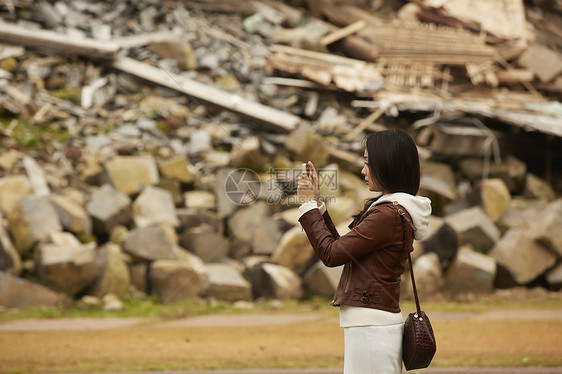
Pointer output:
x,y
153,148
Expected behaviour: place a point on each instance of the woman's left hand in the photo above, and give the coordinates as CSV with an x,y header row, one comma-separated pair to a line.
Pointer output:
x,y
305,188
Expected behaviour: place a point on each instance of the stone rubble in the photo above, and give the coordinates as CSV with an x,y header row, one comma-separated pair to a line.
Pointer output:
x,y
111,185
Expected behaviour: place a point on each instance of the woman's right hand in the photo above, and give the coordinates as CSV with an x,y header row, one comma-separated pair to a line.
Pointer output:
x,y
315,184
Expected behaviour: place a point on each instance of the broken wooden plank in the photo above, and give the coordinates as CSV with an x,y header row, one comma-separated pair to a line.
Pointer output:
x,y
515,76
275,119
96,49
343,32
134,41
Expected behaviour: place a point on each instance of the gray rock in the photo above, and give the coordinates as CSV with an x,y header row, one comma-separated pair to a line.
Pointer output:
x,y
205,243
10,261
547,229
72,216
173,281
66,265
112,273
524,258
458,139
191,218
554,277
537,188
473,226
438,183
149,243
247,154
154,205
266,236
470,272
12,188
275,281
322,280
242,224
129,174
21,293
440,239
200,141
521,213
108,209
294,251
32,220
139,276
428,275
227,283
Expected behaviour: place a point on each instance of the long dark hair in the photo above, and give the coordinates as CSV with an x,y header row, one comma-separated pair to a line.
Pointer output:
x,y
393,163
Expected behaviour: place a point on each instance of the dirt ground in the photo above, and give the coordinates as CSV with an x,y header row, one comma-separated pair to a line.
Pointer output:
x,y
493,338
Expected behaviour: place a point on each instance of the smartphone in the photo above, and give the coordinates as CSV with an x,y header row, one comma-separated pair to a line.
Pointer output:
x,y
308,170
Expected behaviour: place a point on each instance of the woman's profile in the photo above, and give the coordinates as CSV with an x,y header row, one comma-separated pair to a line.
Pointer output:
x,y
374,252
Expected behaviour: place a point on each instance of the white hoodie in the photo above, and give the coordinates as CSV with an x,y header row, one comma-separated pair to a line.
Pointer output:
x,y
419,208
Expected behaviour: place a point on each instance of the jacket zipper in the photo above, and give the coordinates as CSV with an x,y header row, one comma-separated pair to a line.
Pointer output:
x,y
348,277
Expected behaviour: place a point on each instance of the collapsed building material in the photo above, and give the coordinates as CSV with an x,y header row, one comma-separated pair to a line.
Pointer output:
x,y
97,49
275,119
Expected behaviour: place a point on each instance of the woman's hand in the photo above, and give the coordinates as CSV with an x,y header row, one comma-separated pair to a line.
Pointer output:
x,y
308,187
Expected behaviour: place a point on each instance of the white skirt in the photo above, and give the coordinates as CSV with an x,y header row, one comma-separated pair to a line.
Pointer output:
x,y
373,349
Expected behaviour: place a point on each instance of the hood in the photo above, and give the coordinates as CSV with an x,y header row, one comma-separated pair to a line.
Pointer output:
x,y
419,208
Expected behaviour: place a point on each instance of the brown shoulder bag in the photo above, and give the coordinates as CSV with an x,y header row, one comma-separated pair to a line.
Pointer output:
x,y
418,343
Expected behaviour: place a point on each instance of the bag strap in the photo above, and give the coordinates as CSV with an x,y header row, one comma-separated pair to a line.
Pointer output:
x,y
416,298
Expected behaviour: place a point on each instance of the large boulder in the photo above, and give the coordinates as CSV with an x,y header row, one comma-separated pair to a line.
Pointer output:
x,y
200,200
266,236
21,293
129,174
470,272
10,261
172,281
154,205
428,276
547,230
112,273
522,213
205,243
294,251
242,224
32,220
494,197
192,218
152,242
322,280
440,239
438,183
227,283
66,265
108,209
474,227
12,188
72,215
537,188
275,281
522,256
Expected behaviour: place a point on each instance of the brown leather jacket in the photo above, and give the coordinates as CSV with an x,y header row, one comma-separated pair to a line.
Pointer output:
x,y
374,253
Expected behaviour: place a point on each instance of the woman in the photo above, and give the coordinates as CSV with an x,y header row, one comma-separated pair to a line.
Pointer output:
x,y
374,252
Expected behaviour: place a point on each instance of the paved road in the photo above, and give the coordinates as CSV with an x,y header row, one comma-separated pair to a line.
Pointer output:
x,y
554,370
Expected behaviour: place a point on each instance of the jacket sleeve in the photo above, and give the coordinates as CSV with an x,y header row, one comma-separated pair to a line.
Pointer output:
x,y
330,225
375,231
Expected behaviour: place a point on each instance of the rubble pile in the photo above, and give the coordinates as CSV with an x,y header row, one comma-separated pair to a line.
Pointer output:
x,y
153,147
